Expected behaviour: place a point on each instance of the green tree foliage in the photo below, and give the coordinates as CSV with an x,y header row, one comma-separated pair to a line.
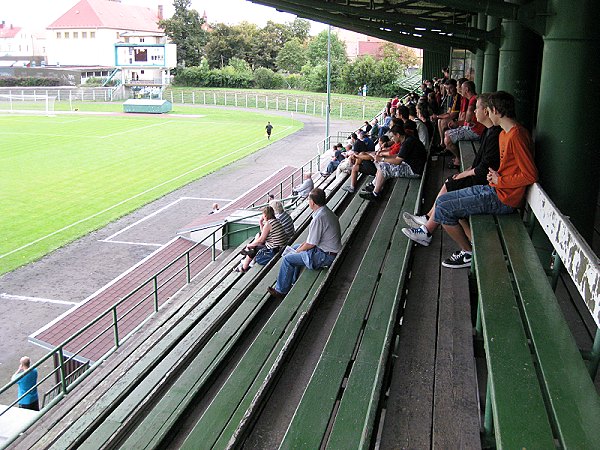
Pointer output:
x,y
300,29
184,28
267,79
406,56
317,50
292,56
268,42
226,42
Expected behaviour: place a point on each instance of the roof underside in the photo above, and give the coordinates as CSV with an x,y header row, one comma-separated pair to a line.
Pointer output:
x,y
432,25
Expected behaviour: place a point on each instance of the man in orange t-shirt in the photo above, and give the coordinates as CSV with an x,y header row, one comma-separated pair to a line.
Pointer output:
x,y
507,186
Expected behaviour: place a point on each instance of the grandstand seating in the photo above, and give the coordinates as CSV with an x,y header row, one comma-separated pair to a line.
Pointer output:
x,y
161,356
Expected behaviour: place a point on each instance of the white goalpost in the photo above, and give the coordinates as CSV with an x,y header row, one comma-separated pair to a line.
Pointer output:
x,y
27,103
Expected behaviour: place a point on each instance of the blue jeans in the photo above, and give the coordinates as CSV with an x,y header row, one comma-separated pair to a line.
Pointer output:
x,y
470,201
332,166
292,263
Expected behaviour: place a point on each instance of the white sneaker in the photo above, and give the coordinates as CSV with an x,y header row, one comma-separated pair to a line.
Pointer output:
x,y
414,221
418,235
348,188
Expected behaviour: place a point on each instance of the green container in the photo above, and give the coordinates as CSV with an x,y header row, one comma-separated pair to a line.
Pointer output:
x,y
148,106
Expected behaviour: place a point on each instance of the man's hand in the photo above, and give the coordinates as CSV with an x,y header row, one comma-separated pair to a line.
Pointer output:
x,y
492,176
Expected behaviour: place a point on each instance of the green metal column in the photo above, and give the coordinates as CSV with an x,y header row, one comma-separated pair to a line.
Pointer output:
x,y
479,56
567,141
518,68
490,60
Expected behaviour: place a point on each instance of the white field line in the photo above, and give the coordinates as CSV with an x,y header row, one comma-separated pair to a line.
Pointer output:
x,y
35,299
143,244
155,213
116,205
136,129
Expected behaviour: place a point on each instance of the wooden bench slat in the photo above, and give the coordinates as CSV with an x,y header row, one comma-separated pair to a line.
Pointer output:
x,y
520,419
355,418
311,418
572,396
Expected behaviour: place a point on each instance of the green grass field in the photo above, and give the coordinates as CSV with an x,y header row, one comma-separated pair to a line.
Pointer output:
x,y
64,176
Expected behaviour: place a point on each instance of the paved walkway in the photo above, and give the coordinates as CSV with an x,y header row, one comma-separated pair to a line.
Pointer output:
x,y
36,294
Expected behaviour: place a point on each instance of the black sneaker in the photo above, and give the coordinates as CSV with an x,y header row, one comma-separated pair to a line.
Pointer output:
x,y
369,196
458,260
369,187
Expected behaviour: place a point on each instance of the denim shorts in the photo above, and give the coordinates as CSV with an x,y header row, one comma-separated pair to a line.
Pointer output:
x,y
455,205
463,133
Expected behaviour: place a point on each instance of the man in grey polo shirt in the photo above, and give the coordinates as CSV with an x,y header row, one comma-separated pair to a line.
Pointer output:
x,y
320,249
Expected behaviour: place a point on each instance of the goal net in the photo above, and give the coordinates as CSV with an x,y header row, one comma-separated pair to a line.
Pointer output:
x,y
27,103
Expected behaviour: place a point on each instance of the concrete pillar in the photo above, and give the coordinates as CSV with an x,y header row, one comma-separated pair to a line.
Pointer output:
x,y
479,55
490,60
518,68
567,151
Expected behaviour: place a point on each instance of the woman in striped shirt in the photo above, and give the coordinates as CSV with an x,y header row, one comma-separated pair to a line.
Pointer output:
x,y
266,245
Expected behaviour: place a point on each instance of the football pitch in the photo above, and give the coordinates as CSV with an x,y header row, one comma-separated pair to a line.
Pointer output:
x,y
66,175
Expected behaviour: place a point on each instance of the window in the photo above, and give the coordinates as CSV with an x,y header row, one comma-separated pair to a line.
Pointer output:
x,y
92,35
75,35
66,35
84,35
58,35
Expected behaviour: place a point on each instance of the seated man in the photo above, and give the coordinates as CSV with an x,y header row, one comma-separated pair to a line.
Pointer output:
x,y
451,114
374,134
302,190
408,162
363,162
336,158
320,249
284,218
487,157
506,187
468,129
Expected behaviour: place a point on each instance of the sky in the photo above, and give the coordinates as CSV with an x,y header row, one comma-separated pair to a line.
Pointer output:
x,y
18,12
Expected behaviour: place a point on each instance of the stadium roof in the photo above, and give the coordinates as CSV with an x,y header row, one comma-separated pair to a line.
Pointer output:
x,y
433,25
108,14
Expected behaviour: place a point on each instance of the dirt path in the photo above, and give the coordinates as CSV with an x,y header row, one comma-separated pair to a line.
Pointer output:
x,y
34,295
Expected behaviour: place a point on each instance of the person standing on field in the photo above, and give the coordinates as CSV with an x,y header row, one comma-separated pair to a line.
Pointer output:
x,y
269,128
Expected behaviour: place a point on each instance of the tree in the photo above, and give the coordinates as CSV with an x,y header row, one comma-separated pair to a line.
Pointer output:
x,y
405,55
292,56
184,28
268,42
300,29
317,50
226,42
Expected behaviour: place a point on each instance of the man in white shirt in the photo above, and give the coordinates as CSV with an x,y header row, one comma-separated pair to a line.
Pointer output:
x,y
320,249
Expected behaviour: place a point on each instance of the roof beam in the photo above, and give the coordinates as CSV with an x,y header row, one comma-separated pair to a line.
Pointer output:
x,y
396,34
496,8
398,18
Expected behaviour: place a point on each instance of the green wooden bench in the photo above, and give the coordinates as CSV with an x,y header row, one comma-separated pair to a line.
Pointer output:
x,y
539,392
233,406
159,356
340,403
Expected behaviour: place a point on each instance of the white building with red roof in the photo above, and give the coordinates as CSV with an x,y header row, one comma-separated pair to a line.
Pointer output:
x,y
20,46
87,33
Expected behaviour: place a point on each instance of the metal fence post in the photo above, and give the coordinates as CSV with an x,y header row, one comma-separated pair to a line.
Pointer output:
x,y
115,326
61,366
187,264
155,282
